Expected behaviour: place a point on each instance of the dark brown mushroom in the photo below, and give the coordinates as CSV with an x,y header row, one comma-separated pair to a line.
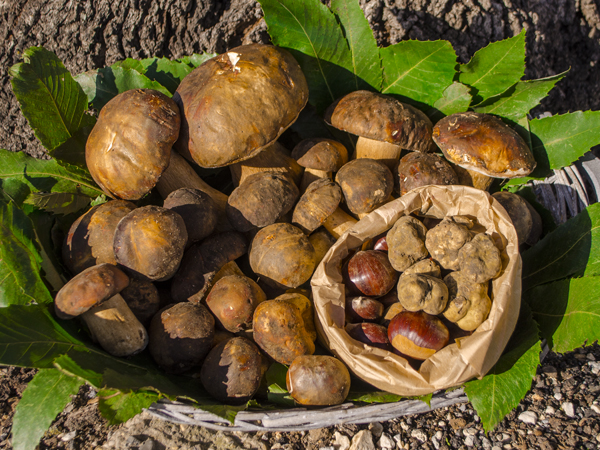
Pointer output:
x,y
197,209
526,220
237,103
320,157
317,204
483,143
421,169
149,242
142,298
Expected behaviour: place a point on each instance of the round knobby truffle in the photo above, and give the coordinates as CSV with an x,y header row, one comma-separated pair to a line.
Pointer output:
x,y
130,145
382,118
237,103
261,200
149,242
90,238
479,260
418,292
366,184
483,143
445,240
469,304
406,243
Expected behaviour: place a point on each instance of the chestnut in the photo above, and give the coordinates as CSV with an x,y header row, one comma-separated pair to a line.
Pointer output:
x,y
381,244
417,334
371,334
371,273
363,309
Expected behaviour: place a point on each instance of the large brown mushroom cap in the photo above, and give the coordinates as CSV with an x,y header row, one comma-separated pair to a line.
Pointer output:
x,y
89,288
320,154
381,118
366,184
235,104
130,145
484,144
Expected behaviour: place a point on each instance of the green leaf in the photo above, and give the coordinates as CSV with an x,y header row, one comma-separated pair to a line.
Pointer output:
x,y
507,383
277,386
20,260
45,397
14,190
46,175
126,79
118,407
495,68
130,63
59,202
72,151
49,97
520,98
196,59
573,249
310,31
418,71
572,318
366,65
374,397
456,99
166,72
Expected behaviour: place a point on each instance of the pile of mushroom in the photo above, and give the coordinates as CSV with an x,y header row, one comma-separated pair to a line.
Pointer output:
x,y
219,284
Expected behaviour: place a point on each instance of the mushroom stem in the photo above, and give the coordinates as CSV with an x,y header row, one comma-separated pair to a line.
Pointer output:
x,y
180,174
338,223
275,158
387,153
311,175
468,177
115,328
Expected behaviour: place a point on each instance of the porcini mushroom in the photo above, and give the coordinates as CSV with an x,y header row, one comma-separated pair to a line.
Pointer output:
x,y
320,157
384,125
421,169
197,209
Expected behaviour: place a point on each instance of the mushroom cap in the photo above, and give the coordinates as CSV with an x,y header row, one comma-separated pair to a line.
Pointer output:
x,y
198,210
320,154
89,288
519,212
261,200
366,184
90,239
381,118
320,200
420,169
235,104
130,145
149,242
484,144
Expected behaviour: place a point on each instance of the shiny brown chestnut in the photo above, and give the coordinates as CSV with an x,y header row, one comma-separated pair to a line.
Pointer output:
x,y
417,334
371,273
363,309
371,334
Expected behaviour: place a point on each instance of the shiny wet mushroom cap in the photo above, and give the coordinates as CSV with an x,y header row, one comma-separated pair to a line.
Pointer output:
x,y
237,103
484,144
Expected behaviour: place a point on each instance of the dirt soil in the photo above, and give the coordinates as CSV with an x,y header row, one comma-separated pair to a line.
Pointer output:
x,y
87,34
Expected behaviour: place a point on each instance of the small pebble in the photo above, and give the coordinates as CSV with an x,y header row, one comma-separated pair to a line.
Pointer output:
x,y
550,410
329,447
363,440
595,366
68,436
386,441
558,396
596,409
568,408
591,357
404,426
469,431
419,435
441,424
528,417
436,443
486,443
439,435
342,442
398,440
376,428
470,441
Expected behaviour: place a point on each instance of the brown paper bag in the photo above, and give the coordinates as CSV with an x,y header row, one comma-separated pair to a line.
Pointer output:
x,y
470,356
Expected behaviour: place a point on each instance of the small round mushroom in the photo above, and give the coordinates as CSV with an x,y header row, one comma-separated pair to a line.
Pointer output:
x,y
261,200
421,169
418,292
239,102
469,304
283,255
384,125
318,380
142,298
445,240
150,241
197,209
130,145
484,144
526,220
366,184
479,259
406,243
317,204
320,157
90,239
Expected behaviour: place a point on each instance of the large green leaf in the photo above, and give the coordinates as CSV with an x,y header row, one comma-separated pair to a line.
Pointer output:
x,y
495,68
14,190
50,99
502,389
573,249
20,260
196,59
456,99
118,407
572,318
520,98
45,397
418,71
166,72
59,202
366,65
46,175
310,31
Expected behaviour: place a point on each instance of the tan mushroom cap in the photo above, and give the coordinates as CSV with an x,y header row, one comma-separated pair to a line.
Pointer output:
x,y
381,118
89,288
320,154
235,104
484,144
320,201
420,169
